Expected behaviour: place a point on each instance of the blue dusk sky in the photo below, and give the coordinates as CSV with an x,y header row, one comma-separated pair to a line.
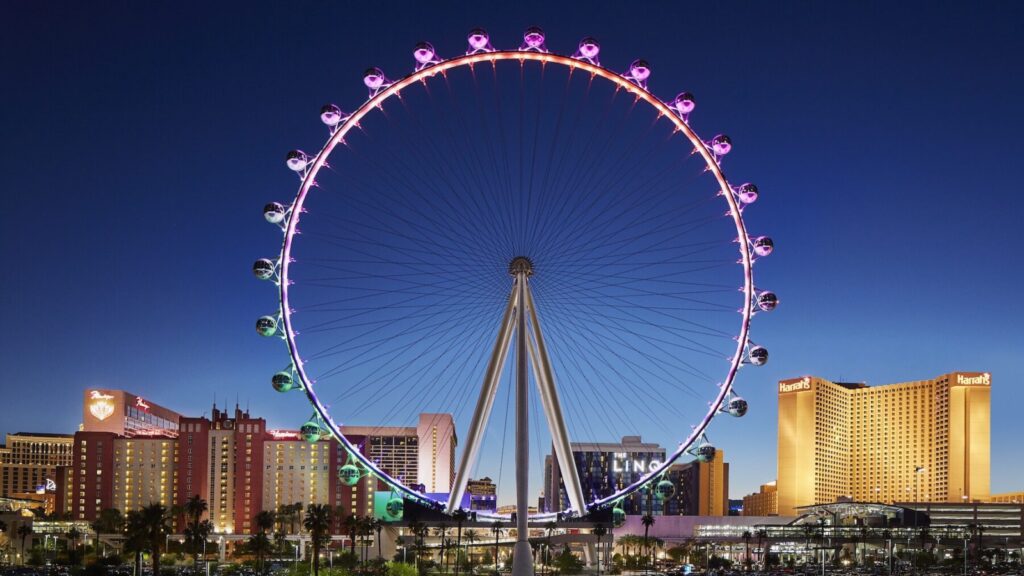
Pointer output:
x,y
143,139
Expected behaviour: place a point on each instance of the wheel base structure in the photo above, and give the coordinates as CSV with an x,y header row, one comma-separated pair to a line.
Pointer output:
x,y
522,558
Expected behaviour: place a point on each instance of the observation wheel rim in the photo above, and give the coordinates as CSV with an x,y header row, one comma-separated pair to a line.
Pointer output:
x,y
470,60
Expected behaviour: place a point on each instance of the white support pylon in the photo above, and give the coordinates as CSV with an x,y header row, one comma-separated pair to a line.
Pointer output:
x,y
545,378
522,554
485,402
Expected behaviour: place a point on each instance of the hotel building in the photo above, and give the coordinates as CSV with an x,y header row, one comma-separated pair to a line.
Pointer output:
x,y
764,502
923,441
235,463
483,495
29,460
701,488
605,467
126,414
144,472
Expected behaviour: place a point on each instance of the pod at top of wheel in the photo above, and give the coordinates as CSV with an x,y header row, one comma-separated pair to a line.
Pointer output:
x,y
424,53
639,72
331,115
683,103
747,193
721,145
374,78
274,212
763,246
589,48
479,40
296,160
533,39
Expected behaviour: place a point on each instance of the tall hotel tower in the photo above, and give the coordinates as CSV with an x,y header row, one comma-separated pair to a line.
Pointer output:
x,y
922,441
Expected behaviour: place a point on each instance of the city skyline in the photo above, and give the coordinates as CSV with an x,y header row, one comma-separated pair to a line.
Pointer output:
x,y
128,265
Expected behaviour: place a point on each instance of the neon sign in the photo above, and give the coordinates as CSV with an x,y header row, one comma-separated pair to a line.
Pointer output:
x,y
101,405
140,403
801,384
980,380
284,434
622,464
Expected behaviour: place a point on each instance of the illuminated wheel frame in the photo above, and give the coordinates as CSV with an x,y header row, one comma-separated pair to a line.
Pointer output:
x,y
585,60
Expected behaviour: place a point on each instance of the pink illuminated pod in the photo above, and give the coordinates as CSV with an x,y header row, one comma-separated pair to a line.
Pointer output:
x,y
514,248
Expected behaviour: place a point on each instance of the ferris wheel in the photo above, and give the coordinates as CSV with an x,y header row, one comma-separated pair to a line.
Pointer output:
x,y
525,204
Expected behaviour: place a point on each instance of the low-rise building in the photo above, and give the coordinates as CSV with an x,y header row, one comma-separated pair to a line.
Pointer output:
x,y
764,502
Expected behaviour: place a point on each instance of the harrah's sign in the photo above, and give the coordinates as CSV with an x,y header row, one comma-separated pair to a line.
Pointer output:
x,y
977,380
795,385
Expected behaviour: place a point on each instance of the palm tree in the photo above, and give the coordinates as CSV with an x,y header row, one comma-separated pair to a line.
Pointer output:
x,y
762,535
497,535
195,507
887,534
808,533
73,535
378,525
24,531
471,538
109,521
196,534
600,531
459,516
746,541
863,543
419,532
351,522
318,523
366,527
135,538
259,545
442,532
647,520
549,527
154,520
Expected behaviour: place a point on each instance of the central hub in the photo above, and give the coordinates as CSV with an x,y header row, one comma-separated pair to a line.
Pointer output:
x,y
520,265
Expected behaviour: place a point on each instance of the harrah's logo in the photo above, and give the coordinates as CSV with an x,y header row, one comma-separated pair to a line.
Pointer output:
x,y
801,384
980,380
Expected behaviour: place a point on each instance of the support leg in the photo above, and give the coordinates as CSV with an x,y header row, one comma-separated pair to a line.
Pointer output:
x,y
553,410
485,402
522,559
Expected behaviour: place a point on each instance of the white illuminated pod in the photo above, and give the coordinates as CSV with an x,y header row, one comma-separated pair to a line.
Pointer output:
x,y
463,206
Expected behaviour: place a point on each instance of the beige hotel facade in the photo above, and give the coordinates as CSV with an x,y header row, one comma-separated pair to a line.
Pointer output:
x,y
920,441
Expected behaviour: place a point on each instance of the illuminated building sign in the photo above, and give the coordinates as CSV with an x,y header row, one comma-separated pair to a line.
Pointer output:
x,y
140,403
622,464
101,405
284,434
795,385
50,486
979,380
